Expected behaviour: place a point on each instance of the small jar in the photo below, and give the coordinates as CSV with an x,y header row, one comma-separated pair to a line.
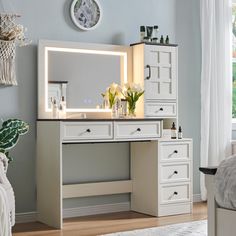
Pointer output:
x,y
154,40
146,39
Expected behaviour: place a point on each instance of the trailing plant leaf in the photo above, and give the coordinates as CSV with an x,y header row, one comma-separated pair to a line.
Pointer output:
x,y
10,132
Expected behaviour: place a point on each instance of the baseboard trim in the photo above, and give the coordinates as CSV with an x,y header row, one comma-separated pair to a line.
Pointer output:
x,y
26,217
95,210
79,211
88,210
197,198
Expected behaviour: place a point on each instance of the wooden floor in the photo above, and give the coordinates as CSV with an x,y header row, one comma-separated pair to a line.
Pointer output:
x,y
103,224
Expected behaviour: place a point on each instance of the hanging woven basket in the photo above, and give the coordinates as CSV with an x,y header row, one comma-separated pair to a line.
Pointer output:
x,y
7,49
7,62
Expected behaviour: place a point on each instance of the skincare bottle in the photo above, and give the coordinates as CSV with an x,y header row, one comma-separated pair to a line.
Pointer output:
x,y
180,133
155,33
142,33
149,32
173,131
162,39
54,109
167,40
62,108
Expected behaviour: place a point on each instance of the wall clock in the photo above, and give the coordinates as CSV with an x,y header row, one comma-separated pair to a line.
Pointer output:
x,y
86,14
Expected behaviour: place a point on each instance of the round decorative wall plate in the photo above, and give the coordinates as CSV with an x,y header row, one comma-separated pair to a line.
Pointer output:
x,y
86,14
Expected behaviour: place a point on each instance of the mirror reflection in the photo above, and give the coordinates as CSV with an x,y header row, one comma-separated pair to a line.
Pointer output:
x,y
81,77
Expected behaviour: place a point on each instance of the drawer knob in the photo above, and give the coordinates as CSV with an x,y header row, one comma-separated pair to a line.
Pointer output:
x,y
175,151
161,109
138,129
175,172
88,130
175,193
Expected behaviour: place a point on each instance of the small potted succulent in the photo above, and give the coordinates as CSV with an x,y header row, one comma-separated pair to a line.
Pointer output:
x,y
10,133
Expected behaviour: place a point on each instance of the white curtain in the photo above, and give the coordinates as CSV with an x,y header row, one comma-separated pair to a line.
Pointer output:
x,y
216,83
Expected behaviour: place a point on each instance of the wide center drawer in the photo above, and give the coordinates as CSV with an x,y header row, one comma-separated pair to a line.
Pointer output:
x,y
174,172
87,131
160,109
174,193
175,151
138,130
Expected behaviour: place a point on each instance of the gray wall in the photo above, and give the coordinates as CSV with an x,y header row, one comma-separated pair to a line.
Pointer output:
x,y
188,37
120,25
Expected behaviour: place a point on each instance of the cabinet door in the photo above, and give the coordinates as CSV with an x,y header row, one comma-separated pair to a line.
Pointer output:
x,y
160,72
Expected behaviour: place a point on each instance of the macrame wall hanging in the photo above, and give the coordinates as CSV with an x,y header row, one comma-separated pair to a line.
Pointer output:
x,y
11,34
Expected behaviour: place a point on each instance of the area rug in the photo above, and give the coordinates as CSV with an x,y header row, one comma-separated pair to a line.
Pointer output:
x,y
195,228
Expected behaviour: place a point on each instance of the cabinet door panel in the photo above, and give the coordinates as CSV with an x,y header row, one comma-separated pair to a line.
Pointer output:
x,y
160,61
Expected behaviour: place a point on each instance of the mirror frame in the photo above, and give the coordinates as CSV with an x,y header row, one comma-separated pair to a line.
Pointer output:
x,y
45,46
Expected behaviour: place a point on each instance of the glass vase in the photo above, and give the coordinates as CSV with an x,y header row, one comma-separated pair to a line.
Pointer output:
x,y
131,109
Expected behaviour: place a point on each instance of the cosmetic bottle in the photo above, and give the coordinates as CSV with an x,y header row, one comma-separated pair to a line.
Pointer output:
x,y
180,133
162,39
142,33
167,40
155,33
54,109
149,32
173,131
62,108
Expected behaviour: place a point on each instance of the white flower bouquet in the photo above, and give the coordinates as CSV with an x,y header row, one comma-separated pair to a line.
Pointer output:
x,y
132,92
112,92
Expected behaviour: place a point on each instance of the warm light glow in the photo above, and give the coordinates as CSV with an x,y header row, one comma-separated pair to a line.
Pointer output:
x,y
84,51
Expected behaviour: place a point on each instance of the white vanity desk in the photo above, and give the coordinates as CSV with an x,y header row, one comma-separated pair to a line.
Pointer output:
x,y
146,197
160,180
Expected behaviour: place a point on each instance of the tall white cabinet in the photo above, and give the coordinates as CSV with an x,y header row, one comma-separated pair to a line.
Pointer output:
x,y
162,175
155,67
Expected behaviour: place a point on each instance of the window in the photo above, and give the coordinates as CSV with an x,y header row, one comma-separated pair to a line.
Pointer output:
x,y
234,61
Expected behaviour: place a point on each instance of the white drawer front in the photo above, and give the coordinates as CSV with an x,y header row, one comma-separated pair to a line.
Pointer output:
x,y
160,109
175,172
138,130
174,193
174,151
87,130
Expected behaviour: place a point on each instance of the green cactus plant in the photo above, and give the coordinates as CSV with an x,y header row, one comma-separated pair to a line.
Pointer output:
x,y
10,133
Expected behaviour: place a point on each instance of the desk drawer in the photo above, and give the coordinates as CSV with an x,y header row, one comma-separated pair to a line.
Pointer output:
x,y
175,151
174,193
87,130
174,172
161,109
138,130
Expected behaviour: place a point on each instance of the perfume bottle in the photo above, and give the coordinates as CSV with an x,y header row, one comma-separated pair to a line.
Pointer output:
x,y
180,133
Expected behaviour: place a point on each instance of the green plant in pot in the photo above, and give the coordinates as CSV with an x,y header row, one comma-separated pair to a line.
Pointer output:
x,y
10,133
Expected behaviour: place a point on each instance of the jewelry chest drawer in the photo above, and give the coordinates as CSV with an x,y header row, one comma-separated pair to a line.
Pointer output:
x,y
87,131
160,109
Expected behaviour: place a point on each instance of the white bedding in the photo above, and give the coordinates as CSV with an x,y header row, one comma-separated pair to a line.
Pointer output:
x,y
225,183
5,224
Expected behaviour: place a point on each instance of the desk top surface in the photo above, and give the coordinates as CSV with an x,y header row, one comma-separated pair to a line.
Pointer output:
x,y
106,119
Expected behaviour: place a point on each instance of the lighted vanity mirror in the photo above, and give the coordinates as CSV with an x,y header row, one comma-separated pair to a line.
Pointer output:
x,y
80,72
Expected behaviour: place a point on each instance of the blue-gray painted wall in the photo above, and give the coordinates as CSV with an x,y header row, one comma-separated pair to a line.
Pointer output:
x,y
120,25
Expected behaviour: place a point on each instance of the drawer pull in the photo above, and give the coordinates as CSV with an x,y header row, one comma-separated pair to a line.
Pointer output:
x,y
161,109
88,130
175,193
175,172
175,151
138,129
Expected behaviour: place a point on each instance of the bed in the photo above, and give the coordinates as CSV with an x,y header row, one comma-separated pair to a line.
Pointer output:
x,y
221,219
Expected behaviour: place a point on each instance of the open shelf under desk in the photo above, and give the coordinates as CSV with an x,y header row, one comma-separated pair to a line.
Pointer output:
x,y
96,189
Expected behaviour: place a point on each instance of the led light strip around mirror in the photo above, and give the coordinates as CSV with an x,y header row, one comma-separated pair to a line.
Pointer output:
x,y
96,49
